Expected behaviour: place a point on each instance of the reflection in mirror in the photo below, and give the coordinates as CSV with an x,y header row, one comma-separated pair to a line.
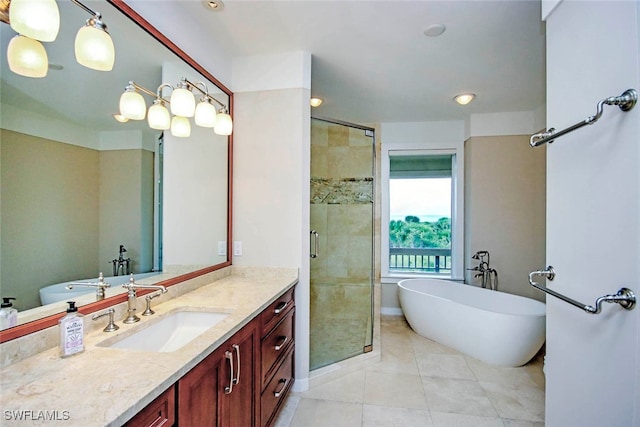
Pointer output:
x,y
83,194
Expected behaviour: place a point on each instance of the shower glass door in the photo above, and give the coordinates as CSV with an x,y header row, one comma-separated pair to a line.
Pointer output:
x,y
342,212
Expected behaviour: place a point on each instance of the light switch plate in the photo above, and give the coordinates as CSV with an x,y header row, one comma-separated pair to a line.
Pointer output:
x,y
237,248
222,247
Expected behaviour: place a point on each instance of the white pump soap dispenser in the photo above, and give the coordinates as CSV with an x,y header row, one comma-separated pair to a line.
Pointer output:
x,y
8,314
71,331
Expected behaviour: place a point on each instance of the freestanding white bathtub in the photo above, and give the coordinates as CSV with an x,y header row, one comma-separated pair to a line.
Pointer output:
x,y
495,327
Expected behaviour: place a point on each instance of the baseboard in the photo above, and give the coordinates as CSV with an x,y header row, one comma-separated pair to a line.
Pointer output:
x,y
391,311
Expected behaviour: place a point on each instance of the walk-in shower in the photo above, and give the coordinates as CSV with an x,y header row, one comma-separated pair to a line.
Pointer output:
x,y
342,236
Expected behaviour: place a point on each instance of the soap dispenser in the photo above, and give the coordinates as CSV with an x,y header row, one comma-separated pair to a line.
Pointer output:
x,y
8,314
71,331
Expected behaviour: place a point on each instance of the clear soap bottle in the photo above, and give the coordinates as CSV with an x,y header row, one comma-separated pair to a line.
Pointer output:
x,y
8,314
71,331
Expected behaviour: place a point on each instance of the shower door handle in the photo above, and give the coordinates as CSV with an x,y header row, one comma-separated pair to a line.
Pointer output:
x,y
316,244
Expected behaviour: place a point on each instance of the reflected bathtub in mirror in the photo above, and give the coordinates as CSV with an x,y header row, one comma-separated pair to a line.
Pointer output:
x,y
495,327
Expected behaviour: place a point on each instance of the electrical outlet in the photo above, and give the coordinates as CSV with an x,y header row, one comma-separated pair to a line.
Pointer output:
x,y
237,248
222,247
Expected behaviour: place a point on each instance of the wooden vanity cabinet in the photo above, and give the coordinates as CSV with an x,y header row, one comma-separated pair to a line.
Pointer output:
x,y
243,383
220,390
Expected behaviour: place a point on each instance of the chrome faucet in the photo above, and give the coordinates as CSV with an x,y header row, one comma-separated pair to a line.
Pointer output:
x,y
489,275
101,285
131,298
111,326
121,263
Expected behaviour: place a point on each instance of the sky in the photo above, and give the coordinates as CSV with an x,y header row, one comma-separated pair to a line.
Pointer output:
x,y
429,198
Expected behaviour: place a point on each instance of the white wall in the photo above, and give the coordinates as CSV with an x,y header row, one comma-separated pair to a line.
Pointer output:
x,y
593,217
271,161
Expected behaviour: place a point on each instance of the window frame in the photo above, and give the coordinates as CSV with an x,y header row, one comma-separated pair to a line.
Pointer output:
x,y
457,210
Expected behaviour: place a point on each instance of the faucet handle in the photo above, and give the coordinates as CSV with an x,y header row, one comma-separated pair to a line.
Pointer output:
x,y
111,326
148,298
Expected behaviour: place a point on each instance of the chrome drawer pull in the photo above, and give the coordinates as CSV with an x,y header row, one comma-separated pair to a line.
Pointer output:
x,y
228,389
283,341
236,347
284,382
281,307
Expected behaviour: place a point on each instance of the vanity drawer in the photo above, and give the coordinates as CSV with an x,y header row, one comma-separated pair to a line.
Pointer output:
x,y
160,412
276,344
276,391
276,311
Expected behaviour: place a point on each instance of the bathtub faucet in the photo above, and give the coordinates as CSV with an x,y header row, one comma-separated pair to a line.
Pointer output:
x,y
101,285
121,263
489,275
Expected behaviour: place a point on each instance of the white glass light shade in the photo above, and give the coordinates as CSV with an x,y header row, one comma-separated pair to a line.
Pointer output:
x,y
132,105
159,117
180,127
183,103
36,19
205,115
94,49
224,124
27,57
465,98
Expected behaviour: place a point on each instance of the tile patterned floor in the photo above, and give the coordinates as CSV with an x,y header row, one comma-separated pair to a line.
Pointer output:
x,y
421,383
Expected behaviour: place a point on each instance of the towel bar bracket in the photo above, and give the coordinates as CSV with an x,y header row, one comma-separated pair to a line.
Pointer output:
x,y
624,297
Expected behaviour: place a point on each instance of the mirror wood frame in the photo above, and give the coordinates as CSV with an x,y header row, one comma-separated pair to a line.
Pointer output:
x,y
49,321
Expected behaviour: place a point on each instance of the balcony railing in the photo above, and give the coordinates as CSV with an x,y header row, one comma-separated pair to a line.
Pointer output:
x,y
420,260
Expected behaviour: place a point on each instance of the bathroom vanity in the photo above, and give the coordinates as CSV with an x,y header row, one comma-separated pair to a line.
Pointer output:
x,y
236,373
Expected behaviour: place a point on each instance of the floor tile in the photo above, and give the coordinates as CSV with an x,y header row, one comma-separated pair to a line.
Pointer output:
x,y
500,375
516,402
457,420
394,390
325,413
348,388
457,397
384,416
444,366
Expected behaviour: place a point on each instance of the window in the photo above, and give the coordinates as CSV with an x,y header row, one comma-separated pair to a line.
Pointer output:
x,y
421,215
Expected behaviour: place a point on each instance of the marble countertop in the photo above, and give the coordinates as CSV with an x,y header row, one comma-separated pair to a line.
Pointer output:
x,y
106,386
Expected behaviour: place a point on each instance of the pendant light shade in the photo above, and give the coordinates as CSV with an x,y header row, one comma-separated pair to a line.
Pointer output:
x,y
27,57
94,47
36,19
205,115
180,127
183,103
132,105
224,124
158,116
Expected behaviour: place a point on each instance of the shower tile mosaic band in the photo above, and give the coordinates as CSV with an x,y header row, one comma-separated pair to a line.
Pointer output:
x,y
342,191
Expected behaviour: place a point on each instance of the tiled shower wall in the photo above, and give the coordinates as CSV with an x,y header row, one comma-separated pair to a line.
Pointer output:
x,y
342,189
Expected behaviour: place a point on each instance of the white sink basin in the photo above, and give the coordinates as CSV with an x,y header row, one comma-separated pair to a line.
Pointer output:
x,y
169,333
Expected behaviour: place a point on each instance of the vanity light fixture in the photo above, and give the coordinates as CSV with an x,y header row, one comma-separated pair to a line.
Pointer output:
x,y
36,19
27,57
316,102
93,46
464,98
132,106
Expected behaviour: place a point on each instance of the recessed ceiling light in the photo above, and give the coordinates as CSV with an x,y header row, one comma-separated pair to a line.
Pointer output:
x,y
315,102
56,67
464,98
215,5
434,30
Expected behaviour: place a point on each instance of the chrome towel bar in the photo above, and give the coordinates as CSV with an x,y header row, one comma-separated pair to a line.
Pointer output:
x,y
625,102
625,297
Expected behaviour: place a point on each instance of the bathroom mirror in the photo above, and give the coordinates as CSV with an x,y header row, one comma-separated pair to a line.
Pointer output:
x,y
84,194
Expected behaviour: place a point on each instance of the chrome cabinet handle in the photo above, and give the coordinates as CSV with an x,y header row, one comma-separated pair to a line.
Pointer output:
x,y
280,308
229,356
283,341
316,244
236,347
284,382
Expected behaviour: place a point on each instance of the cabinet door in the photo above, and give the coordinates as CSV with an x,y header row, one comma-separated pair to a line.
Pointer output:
x,y
237,402
198,393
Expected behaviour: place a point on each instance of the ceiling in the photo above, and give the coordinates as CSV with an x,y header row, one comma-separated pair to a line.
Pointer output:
x,y
371,61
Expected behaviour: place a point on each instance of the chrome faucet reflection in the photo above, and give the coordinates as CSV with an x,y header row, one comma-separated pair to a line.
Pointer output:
x,y
101,285
131,288
121,264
